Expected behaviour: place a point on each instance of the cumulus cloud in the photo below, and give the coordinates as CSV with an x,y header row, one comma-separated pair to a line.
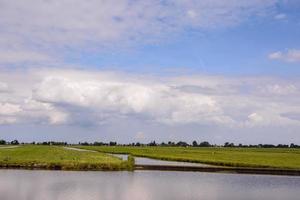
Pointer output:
x,y
96,97
291,55
9,109
8,112
156,101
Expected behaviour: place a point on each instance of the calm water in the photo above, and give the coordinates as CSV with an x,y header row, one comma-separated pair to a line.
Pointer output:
x,y
149,161
143,185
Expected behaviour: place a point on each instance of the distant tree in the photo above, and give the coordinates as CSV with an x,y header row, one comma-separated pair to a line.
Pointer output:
x,y
112,143
171,143
282,146
137,144
84,143
98,143
227,144
182,144
267,146
15,142
2,142
204,144
194,143
292,145
153,143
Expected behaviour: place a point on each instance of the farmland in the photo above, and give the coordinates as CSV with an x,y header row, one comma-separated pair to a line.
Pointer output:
x,y
57,157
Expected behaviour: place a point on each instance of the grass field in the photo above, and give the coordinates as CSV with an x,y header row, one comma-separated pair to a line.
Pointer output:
x,y
237,157
56,157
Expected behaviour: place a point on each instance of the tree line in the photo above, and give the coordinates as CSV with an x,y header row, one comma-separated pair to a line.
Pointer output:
x,y
154,143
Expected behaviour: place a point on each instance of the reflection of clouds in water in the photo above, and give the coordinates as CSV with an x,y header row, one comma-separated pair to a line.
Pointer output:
x,y
146,185
171,185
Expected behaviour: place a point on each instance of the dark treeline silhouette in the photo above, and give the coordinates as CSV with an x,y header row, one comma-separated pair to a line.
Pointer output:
x,y
51,143
14,142
154,143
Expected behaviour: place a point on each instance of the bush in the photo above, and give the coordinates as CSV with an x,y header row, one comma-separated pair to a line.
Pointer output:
x,y
130,163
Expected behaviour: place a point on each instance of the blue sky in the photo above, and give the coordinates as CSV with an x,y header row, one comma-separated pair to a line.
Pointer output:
x,y
150,70
236,50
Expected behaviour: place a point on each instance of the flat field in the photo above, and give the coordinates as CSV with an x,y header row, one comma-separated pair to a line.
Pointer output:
x,y
282,158
57,157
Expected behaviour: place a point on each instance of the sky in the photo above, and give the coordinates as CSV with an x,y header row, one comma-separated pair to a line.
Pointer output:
x,y
163,70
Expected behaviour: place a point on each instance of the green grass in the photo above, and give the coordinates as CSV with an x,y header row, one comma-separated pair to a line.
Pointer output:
x,y
56,157
236,157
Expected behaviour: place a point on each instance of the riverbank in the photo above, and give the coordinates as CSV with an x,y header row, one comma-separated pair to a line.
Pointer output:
x,y
283,159
59,158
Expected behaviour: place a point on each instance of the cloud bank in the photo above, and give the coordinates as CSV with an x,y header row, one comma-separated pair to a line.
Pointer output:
x,y
80,97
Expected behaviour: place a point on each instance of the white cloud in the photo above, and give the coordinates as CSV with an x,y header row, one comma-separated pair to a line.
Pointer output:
x,y
140,136
276,89
280,16
156,101
291,55
8,112
270,117
9,109
95,97
40,112
254,119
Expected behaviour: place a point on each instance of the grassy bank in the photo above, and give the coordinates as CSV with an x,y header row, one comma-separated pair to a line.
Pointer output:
x,y
55,157
235,157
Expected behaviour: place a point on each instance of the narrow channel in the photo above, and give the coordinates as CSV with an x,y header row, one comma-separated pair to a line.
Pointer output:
x,y
151,161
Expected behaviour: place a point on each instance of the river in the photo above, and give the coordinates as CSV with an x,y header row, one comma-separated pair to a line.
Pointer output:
x,y
144,185
150,161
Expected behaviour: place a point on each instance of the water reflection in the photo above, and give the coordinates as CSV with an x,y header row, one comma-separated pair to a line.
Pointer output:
x,y
150,161
146,185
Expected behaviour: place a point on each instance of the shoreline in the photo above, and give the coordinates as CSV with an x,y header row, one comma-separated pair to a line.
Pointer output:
x,y
217,169
58,167
220,169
